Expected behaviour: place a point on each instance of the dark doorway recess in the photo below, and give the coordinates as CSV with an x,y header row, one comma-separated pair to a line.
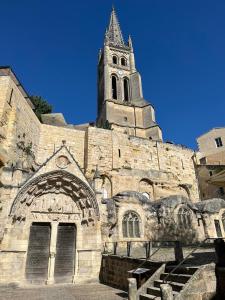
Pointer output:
x,y
38,252
65,253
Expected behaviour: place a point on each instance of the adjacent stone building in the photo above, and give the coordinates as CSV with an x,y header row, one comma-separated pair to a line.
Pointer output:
x,y
211,164
66,189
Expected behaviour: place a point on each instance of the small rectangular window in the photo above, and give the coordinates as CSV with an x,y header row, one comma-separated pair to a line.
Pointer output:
x,y
119,152
219,142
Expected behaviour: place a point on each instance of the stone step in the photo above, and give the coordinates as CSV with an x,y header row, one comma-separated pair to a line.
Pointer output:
x,y
182,270
154,291
176,286
147,297
182,278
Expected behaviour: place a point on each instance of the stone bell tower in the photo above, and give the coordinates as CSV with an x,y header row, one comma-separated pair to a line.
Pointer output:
x,y
121,105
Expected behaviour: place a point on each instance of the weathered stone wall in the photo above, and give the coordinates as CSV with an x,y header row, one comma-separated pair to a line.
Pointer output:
x,y
128,160
19,124
114,269
51,140
19,138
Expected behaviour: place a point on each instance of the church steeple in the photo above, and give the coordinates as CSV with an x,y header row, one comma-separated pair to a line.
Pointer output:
x,y
113,33
121,105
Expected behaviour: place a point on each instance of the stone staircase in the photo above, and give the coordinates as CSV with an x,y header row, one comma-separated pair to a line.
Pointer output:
x,y
177,280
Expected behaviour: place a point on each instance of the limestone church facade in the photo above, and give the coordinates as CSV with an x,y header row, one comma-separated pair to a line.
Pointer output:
x,y
67,189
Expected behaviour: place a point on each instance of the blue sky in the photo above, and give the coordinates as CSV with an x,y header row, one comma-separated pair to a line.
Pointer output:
x,y
179,48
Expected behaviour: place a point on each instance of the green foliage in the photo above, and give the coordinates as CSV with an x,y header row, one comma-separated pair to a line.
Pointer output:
x,y
41,106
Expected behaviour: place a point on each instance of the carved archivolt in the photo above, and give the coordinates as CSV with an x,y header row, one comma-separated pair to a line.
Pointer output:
x,y
50,191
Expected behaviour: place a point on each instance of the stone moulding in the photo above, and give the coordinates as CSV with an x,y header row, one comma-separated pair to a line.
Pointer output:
x,y
56,182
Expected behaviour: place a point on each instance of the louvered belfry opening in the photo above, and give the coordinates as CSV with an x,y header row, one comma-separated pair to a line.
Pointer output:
x,y
65,253
38,252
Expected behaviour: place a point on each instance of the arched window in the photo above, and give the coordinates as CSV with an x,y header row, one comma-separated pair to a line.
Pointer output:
x,y
184,217
114,60
114,87
131,225
126,89
123,61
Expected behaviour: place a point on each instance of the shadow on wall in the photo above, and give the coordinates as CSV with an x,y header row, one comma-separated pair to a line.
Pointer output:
x,y
170,230
179,224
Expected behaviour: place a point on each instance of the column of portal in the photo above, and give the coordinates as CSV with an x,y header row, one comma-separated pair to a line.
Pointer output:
x,y
51,264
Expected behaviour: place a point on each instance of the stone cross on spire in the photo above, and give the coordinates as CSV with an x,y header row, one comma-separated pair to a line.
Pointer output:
x,y
113,33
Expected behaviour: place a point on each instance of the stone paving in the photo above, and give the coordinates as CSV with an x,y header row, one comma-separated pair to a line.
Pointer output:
x,y
95,291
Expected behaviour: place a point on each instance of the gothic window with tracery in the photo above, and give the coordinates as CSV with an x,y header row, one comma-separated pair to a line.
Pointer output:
x,y
131,225
184,217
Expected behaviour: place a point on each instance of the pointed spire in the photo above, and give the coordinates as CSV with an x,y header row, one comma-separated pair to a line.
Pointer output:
x,y
114,34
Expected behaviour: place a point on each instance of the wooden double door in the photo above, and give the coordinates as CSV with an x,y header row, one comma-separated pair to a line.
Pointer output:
x,y
37,263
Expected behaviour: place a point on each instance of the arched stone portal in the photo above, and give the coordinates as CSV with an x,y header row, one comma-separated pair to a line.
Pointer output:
x,y
60,218
55,183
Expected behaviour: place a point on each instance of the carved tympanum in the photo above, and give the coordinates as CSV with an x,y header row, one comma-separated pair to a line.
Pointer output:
x,y
55,193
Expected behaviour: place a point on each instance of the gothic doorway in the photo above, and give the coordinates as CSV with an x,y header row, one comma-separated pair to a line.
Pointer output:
x,y
38,252
65,253
65,206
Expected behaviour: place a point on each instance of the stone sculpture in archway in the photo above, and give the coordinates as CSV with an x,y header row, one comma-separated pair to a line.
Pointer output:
x,y
55,194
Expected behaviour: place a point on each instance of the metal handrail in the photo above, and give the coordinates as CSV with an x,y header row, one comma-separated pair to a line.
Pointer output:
x,y
189,254
115,244
147,258
128,243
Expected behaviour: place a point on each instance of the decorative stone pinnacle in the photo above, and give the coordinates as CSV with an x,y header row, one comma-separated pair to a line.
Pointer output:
x,y
114,34
130,44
